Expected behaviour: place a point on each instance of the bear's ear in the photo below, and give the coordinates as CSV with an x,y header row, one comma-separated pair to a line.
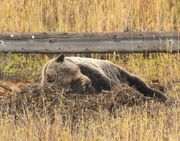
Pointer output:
x,y
60,58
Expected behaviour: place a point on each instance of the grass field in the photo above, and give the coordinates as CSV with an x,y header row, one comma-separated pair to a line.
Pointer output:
x,y
147,121
89,15
151,121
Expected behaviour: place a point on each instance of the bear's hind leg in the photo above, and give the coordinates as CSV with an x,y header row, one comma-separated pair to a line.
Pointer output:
x,y
142,87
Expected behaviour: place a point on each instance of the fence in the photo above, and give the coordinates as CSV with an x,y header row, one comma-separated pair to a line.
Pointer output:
x,y
126,42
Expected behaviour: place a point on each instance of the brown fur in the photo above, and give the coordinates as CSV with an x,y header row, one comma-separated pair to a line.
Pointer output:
x,y
92,75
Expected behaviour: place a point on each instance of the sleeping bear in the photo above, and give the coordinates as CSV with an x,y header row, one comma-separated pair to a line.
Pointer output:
x,y
86,75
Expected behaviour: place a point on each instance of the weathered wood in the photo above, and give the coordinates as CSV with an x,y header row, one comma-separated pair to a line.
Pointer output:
x,y
90,42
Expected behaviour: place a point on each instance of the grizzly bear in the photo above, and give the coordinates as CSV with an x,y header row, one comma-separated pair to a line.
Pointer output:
x,y
87,75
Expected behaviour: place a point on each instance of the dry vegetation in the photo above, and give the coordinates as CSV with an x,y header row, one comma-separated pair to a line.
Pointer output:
x,y
119,115
89,15
50,115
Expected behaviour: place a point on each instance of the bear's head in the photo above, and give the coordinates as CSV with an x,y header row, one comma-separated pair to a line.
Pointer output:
x,y
59,71
64,73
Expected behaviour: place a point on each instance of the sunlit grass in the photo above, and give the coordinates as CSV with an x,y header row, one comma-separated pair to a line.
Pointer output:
x,y
136,123
89,16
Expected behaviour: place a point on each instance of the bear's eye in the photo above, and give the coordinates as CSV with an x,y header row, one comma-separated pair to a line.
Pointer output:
x,y
50,79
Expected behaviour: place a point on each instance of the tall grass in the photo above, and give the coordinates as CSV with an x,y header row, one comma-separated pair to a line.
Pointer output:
x,y
89,15
155,123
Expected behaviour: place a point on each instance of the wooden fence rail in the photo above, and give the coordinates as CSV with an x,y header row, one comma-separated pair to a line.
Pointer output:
x,y
126,42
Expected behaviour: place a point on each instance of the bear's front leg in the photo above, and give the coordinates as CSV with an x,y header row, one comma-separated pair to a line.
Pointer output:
x,y
82,85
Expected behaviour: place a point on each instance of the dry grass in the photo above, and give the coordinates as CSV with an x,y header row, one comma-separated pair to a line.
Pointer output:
x,y
123,114
89,15
146,121
119,115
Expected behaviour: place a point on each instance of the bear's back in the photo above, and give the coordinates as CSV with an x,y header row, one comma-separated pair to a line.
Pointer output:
x,y
103,66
